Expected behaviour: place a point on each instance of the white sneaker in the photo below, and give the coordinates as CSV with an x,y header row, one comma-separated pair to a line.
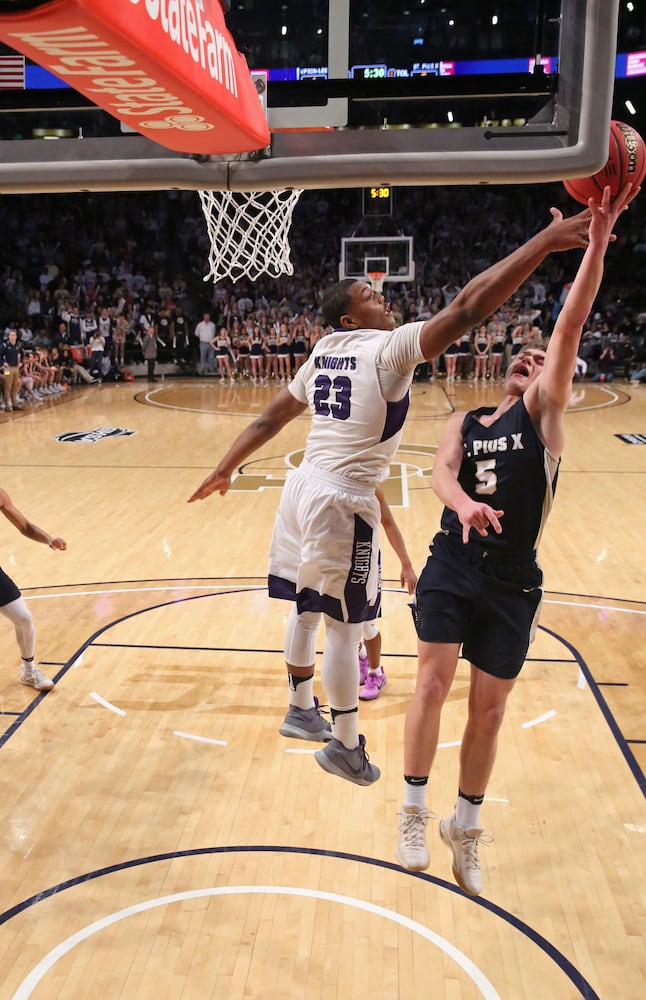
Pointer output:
x,y
464,845
34,677
411,850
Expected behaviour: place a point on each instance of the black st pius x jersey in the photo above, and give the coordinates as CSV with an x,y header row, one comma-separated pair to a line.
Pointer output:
x,y
508,467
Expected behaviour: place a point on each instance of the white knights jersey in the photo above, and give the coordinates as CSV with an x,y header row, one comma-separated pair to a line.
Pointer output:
x,y
357,385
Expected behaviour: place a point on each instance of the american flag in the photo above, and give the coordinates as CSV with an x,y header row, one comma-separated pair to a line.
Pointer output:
x,y
12,72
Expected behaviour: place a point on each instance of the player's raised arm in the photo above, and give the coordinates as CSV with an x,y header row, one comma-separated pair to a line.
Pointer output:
x,y
547,398
486,292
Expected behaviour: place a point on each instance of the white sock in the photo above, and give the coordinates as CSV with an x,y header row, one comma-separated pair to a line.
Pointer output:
x,y
377,672
345,728
467,815
303,695
415,795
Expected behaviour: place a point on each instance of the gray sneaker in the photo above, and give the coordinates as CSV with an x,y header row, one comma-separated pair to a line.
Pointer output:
x,y
306,724
353,765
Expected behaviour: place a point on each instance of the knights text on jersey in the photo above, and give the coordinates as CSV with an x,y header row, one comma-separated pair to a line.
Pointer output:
x,y
508,467
357,384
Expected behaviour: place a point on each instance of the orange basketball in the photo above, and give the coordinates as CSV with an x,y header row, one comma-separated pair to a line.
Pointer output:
x,y
626,163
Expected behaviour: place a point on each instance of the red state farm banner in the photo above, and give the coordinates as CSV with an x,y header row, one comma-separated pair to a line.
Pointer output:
x,y
167,68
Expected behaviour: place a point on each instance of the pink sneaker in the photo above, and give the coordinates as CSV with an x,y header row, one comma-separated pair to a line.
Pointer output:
x,y
373,686
364,667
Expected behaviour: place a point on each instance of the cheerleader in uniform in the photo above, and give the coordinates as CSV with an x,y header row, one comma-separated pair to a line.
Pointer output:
x,y
272,353
450,360
463,361
257,354
222,344
284,359
244,352
299,345
497,351
481,348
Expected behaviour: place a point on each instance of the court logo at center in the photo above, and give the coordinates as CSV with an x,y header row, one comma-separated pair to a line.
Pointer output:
x,y
96,435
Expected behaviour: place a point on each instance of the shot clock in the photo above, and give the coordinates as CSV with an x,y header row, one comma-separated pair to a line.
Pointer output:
x,y
378,200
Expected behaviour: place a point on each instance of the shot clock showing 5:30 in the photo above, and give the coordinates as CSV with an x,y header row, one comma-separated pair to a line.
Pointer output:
x,y
378,200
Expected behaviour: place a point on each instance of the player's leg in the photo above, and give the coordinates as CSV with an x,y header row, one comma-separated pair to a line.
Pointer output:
x,y
374,680
436,668
345,755
441,614
502,628
20,617
303,719
462,832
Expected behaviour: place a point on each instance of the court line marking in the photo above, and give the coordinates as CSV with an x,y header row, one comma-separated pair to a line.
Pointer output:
x,y
107,704
612,723
564,964
615,397
469,967
224,586
541,718
200,739
140,590
599,607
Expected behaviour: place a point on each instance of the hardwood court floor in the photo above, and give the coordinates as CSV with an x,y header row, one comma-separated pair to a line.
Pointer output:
x,y
161,840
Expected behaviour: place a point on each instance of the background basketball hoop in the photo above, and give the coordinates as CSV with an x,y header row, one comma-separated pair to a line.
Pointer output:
x,y
377,279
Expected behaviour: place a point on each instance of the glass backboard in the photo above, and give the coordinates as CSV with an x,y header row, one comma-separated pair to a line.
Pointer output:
x,y
358,94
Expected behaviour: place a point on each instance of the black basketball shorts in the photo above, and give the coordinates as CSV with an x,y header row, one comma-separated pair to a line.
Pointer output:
x,y
488,602
8,590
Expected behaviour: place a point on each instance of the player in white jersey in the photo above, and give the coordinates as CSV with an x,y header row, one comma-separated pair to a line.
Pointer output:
x,y
325,551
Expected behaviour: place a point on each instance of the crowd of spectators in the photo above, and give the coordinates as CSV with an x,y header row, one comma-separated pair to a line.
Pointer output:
x,y
86,275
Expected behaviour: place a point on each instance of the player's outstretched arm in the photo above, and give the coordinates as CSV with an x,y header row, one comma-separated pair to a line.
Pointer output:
x,y
547,399
407,575
283,408
26,527
487,291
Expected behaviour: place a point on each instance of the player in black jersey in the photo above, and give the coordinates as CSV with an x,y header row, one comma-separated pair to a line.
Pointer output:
x,y
12,604
495,471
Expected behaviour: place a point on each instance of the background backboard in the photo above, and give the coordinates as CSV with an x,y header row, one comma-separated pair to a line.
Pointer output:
x,y
392,255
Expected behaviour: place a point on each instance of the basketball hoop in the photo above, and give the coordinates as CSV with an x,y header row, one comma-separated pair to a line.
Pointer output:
x,y
249,232
377,279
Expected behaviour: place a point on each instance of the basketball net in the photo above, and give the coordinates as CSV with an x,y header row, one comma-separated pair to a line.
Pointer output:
x,y
249,232
376,279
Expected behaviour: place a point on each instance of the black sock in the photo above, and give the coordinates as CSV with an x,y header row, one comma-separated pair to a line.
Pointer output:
x,y
410,779
475,800
294,681
335,712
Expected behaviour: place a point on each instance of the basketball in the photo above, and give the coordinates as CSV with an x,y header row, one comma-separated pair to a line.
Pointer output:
x,y
626,163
